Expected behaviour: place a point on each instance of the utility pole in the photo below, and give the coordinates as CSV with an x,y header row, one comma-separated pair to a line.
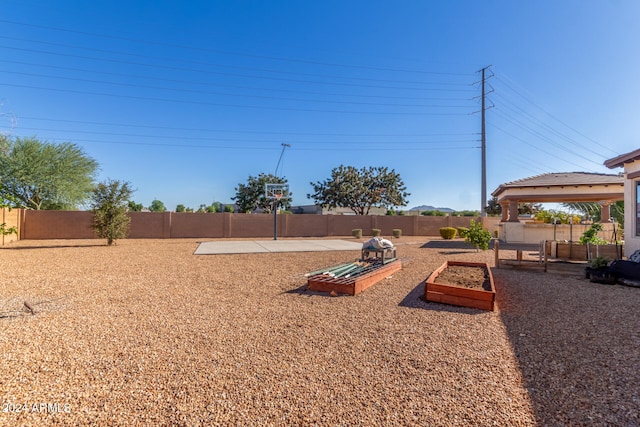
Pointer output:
x,y
284,146
483,202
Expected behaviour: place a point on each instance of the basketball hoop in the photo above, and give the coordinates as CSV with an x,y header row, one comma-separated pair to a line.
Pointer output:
x,y
276,192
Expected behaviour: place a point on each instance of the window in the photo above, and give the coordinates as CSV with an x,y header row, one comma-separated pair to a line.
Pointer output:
x,y
637,208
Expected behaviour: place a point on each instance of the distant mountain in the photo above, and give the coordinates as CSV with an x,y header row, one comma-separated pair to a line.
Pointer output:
x,y
431,208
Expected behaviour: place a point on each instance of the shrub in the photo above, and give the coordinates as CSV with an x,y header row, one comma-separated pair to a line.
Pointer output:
x,y
375,232
397,233
478,236
357,233
433,213
462,231
466,213
599,262
591,235
448,233
110,202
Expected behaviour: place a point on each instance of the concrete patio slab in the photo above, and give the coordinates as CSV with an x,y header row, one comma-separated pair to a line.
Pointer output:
x,y
261,246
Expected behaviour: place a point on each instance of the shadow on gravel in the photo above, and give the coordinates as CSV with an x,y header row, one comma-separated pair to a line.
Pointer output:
x,y
415,299
448,244
17,248
576,346
302,290
453,247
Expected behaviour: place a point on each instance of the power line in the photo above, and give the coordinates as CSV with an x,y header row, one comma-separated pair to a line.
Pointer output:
x,y
251,88
229,105
223,52
139,55
193,91
134,125
219,73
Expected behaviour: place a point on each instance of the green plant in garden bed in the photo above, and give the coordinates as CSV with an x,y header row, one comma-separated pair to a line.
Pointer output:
x,y
591,235
478,236
599,262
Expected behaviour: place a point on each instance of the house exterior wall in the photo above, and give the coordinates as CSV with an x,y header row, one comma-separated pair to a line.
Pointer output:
x,y
632,240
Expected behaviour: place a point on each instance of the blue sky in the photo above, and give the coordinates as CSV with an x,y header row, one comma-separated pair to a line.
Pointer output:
x,y
185,100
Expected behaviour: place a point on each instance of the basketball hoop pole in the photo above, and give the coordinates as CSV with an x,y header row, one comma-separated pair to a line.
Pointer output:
x,y
275,216
275,219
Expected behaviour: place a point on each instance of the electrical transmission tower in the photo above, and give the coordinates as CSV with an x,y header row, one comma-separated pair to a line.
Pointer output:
x,y
487,73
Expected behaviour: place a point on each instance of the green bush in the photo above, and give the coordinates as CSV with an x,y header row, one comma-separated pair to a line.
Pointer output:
x,y
478,236
375,232
547,216
397,233
591,235
448,233
433,213
462,231
357,233
466,213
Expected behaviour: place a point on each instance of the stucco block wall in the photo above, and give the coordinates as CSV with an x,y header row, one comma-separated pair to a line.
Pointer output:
x,y
57,225
154,225
10,218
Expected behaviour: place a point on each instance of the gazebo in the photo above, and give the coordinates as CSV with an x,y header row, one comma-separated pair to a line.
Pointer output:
x,y
563,187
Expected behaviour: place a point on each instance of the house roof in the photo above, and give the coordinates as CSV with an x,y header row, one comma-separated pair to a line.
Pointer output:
x,y
618,162
563,187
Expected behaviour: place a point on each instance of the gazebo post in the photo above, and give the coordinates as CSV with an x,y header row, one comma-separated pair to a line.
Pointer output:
x,y
505,211
513,211
605,211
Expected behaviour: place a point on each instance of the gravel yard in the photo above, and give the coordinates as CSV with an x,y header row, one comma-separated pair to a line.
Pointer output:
x,y
146,333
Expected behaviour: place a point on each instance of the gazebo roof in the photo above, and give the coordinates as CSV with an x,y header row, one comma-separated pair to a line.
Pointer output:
x,y
618,162
563,187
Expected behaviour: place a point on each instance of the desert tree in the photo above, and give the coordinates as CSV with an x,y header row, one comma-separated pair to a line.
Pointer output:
x,y
157,206
110,204
251,196
360,189
44,175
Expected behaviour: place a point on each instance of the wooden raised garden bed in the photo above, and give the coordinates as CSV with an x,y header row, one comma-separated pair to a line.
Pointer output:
x,y
470,295
352,285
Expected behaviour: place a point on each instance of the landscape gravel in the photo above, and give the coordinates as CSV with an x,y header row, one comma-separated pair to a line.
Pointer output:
x,y
147,333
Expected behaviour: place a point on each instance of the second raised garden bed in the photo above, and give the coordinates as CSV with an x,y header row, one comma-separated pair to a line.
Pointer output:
x,y
476,293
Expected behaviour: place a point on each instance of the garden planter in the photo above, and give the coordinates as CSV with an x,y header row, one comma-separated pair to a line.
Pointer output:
x,y
571,251
600,275
472,295
607,251
352,285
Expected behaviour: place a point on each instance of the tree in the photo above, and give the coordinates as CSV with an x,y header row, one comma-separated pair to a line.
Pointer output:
x,y
110,201
529,208
360,189
593,210
157,206
43,175
493,207
478,236
135,207
180,208
250,196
